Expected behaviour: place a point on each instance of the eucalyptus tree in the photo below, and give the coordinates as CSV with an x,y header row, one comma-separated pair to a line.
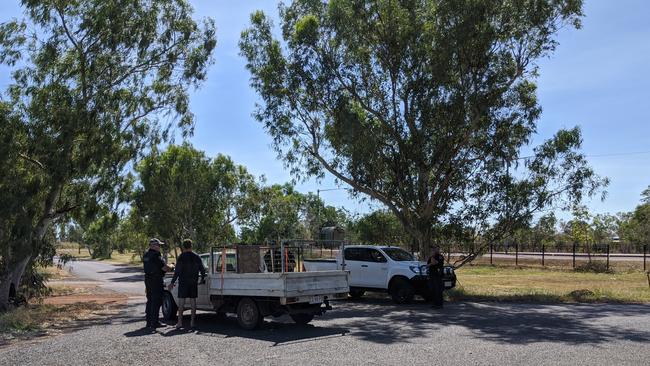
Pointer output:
x,y
185,194
427,106
95,82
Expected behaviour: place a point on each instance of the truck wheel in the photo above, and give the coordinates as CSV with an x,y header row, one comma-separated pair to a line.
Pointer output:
x,y
402,291
302,319
169,308
248,314
356,293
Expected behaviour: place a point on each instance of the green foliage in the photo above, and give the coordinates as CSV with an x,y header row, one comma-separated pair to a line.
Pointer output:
x,y
380,227
635,226
95,83
284,213
278,215
185,194
424,106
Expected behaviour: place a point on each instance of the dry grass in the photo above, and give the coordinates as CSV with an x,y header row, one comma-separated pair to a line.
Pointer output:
x,y
559,264
496,283
54,273
118,258
36,320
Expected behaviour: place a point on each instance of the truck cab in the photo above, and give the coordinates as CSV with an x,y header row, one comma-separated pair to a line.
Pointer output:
x,y
385,269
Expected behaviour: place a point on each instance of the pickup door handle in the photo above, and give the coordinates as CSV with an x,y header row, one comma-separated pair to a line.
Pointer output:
x,y
364,265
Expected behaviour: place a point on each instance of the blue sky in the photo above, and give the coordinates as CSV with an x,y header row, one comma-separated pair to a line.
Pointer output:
x,y
599,79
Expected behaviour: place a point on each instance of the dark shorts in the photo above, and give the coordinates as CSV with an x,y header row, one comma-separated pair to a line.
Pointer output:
x,y
188,290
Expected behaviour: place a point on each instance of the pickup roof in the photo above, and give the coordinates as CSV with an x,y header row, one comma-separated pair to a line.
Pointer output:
x,y
382,268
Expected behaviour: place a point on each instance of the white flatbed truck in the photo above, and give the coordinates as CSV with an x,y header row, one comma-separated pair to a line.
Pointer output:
x,y
269,287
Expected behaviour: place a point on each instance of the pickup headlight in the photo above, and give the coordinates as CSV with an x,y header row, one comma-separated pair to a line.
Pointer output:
x,y
415,269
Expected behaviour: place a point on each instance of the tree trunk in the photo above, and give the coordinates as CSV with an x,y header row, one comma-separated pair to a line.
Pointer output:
x,y
12,277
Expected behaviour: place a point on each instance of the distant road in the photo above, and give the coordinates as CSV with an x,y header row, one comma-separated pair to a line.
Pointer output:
x,y
569,256
120,278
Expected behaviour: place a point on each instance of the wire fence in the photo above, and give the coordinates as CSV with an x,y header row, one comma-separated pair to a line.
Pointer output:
x,y
574,255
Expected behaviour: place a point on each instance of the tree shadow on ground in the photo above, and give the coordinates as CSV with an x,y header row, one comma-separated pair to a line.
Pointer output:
x,y
278,331
378,320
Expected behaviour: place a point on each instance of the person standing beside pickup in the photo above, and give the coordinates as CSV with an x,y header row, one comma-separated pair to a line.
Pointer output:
x,y
188,266
436,262
154,271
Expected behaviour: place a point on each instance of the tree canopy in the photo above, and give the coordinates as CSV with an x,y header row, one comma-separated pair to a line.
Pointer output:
x,y
95,83
185,194
428,107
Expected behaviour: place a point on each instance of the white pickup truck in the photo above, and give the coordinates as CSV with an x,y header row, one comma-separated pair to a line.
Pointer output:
x,y
382,268
267,288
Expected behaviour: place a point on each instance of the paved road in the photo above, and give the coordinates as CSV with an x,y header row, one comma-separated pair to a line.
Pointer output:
x,y
121,278
371,331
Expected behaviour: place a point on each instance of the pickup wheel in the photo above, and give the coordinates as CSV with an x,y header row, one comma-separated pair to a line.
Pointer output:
x,y
169,308
356,293
248,314
402,291
302,319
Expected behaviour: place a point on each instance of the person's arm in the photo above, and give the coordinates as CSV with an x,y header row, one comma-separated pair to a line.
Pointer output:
x,y
177,272
165,267
201,267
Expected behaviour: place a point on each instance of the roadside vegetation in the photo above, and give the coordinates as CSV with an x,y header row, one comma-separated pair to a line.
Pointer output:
x,y
42,319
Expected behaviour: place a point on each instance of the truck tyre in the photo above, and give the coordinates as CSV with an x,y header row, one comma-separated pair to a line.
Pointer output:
x,y
302,319
356,293
248,314
169,307
402,291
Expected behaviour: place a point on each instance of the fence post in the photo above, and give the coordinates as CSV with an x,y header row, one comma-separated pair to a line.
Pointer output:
x,y
574,255
516,254
492,250
607,256
543,251
645,251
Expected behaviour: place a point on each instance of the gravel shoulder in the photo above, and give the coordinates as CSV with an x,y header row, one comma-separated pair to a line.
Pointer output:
x,y
372,331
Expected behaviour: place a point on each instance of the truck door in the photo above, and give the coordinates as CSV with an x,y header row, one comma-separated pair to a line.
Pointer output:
x,y
353,262
376,270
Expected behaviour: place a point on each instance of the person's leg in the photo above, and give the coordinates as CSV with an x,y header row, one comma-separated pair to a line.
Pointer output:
x,y
193,305
181,309
431,283
156,303
437,296
147,309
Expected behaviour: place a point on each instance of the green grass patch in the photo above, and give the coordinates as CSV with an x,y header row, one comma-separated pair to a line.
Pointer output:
x,y
508,284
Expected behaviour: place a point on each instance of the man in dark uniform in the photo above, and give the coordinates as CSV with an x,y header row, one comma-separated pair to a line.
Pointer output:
x,y
188,266
436,262
154,271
